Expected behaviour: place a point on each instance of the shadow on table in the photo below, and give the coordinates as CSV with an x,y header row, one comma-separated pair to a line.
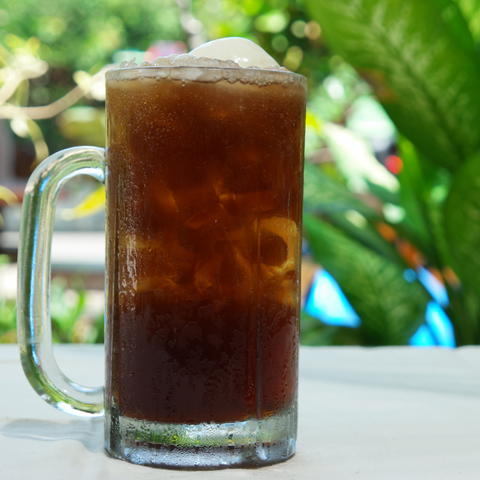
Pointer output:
x,y
87,432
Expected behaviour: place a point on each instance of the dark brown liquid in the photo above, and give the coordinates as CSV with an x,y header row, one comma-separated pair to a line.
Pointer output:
x,y
204,185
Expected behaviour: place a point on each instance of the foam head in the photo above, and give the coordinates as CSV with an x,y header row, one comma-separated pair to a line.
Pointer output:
x,y
243,52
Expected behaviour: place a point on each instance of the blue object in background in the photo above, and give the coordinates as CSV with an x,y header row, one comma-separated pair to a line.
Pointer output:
x,y
422,338
328,303
438,325
409,275
434,286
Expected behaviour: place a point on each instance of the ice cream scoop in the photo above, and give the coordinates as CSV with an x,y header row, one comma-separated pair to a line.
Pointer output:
x,y
243,52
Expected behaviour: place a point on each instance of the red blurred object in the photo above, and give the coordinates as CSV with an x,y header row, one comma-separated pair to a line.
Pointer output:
x,y
394,164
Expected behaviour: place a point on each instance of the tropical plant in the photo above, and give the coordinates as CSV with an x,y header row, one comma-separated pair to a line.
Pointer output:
x,y
421,60
365,224
73,320
8,330
7,197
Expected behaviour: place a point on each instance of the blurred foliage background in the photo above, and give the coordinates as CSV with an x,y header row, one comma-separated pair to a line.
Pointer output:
x,y
392,136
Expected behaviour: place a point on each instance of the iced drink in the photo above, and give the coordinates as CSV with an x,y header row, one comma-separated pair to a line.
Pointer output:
x,y
204,188
203,170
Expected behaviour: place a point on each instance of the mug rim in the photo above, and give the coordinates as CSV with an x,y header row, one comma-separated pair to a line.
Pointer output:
x,y
135,72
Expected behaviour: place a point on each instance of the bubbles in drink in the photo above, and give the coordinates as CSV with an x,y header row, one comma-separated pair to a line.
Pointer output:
x,y
204,222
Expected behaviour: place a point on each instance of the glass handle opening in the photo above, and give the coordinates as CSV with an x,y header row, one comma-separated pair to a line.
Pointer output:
x,y
34,271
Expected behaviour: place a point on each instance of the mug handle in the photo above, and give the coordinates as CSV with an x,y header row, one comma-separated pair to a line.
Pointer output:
x,y
34,270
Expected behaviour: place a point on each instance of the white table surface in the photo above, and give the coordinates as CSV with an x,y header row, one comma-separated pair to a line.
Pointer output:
x,y
384,413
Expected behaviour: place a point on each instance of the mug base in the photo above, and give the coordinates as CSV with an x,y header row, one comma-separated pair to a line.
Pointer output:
x,y
252,443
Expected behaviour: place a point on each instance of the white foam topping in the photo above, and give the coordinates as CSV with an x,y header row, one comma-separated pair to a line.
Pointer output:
x,y
243,52
232,52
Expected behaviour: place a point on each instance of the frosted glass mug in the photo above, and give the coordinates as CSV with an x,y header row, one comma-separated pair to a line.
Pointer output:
x,y
204,179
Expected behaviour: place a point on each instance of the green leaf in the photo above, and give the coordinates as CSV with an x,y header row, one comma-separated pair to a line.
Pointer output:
x,y
357,227
464,311
442,254
453,16
357,164
391,309
471,12
83,125
413,191
412,186
462,222
93,203
325,196
426,77
322,194
313,332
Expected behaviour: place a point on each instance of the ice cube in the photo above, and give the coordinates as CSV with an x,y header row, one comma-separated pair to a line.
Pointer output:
x,y
148,263
149,284
278,246
207,273
273,249
226,274
288,292
194,196
208,216
249,202
241,277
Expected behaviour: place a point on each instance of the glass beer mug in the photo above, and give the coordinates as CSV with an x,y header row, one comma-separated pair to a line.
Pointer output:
x,y
203,172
